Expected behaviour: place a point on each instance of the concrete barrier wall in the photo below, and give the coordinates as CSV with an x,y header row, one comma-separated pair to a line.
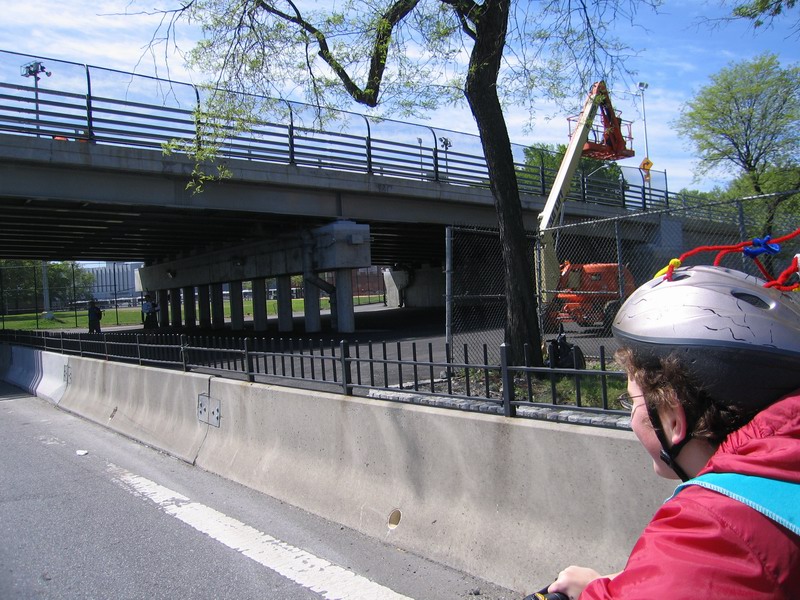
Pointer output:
x,y
510,500
23,368
158,407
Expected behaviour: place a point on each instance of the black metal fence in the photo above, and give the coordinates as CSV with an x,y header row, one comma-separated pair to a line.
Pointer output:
x,y
407,372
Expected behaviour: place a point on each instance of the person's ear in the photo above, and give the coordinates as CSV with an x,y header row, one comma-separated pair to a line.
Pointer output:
x,y
673,421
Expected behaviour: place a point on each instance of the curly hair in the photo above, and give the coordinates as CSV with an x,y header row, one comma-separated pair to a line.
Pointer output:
x,y
667,380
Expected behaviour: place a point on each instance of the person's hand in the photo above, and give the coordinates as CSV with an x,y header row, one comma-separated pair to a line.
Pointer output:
x,y
572,580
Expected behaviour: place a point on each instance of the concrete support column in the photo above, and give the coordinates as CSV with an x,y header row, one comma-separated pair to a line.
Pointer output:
x,y
175,307
163,308
237,305
346,317
313,322
217,307
284,286
189,309
204,306
259,304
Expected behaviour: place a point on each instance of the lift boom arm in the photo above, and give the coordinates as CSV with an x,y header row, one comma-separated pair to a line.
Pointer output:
x,y
613,147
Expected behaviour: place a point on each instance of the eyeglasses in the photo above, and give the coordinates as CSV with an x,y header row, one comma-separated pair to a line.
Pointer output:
x,y
626,401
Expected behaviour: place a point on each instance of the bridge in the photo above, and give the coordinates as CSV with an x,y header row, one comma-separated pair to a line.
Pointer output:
x,y
85,177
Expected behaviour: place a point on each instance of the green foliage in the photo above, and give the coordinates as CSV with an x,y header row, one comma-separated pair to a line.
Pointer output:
x,y
549,157
762,12
747,120
21,284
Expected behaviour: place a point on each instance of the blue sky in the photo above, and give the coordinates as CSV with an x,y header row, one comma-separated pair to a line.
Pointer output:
x,y
678,54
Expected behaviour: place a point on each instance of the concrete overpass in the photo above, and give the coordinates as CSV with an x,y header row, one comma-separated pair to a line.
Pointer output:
x,y
84,177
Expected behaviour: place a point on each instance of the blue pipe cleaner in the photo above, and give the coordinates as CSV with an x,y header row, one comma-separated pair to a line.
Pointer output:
x,y
761,246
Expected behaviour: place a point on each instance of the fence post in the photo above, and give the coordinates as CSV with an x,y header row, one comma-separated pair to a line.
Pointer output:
x,y
603,378
248,361
183,352
509,408
105,345
344,357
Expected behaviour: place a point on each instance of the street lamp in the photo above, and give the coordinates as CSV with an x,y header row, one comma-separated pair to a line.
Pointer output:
x,y
642,87
34,69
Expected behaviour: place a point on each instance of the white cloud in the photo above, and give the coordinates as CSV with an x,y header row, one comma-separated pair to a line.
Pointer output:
x,y
679,57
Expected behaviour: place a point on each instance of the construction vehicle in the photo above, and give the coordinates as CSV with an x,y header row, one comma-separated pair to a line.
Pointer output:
x,y
588,294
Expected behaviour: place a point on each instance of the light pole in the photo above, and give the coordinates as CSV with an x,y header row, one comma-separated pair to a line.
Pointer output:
x,y
446,145
646,163
33,69
642,87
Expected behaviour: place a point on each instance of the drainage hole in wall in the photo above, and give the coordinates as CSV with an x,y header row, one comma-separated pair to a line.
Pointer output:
x,y
394,518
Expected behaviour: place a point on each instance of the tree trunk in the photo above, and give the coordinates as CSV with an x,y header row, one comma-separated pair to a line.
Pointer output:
x,y
481,93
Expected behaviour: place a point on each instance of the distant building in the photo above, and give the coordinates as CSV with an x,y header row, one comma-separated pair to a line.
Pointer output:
x,y
115,281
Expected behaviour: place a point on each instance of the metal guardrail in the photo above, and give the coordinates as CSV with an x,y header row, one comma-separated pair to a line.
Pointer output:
x,y
349,368
386,147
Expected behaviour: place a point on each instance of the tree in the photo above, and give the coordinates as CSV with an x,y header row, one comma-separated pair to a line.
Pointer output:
x,y
21,284
412,54
777,212
763,12
747,122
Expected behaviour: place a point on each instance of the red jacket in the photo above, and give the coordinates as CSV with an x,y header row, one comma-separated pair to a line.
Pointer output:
x,y
702,544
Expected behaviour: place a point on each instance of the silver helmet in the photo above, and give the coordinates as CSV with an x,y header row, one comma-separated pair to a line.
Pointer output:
x,y
740,340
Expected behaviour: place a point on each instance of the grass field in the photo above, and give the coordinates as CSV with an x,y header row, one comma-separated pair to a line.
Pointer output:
x,y
133,316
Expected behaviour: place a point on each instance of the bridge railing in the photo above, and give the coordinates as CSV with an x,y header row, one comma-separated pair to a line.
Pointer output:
x,y
404,372
91,104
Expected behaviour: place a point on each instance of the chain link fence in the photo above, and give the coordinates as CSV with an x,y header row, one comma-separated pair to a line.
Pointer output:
x,y
584,270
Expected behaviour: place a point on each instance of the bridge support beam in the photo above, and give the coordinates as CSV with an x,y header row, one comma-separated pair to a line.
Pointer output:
x,y
259,304
237,305
345,314
217,307
175,307
204,306
189,307
163,307
284,286
313,322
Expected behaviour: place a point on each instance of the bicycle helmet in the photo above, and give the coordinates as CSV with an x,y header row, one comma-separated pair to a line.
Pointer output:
x,y
740,340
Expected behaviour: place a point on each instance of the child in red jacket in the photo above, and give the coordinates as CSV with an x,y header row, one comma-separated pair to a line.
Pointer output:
x,y
713,364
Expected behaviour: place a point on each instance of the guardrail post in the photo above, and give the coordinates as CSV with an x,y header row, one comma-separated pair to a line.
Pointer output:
x,y
509,408
344,357
248,361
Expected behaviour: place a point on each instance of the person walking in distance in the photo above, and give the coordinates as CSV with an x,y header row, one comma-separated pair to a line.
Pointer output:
x,y
149,312
95,314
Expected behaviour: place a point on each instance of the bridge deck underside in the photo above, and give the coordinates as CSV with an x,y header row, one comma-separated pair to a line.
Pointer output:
x,y
52,229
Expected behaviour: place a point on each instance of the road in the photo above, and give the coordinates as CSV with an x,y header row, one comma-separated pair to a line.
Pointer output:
x,y
87,513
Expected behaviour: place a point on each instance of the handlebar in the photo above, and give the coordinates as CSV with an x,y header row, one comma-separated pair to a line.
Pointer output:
x,y
543,594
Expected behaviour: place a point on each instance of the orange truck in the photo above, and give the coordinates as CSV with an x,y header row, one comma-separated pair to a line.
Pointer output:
x,y
589,295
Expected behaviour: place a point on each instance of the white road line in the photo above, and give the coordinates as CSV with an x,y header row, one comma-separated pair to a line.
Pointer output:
x,y
323,577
